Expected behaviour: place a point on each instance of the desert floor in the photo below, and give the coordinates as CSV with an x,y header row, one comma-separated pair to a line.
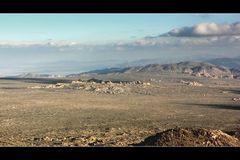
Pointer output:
x,y
68,117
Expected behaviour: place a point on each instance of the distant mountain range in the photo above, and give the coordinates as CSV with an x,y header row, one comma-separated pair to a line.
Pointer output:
x,y
214,68
200,69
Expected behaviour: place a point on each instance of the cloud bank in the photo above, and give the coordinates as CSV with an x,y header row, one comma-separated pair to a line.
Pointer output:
x,y
50,43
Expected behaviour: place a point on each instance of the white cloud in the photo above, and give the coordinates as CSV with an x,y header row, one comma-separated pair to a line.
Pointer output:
x,y
205,29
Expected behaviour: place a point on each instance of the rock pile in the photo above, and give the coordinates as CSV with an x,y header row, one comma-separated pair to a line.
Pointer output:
x,y
204,73
191,83
191,137
98,86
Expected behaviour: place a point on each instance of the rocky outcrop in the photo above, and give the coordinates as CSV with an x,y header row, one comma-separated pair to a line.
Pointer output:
x,y
97,86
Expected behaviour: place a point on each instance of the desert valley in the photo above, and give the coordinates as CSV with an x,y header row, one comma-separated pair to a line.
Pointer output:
x,y
120,80
123,107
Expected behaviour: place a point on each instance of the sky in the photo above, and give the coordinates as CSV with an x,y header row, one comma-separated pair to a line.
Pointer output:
x,y
81,42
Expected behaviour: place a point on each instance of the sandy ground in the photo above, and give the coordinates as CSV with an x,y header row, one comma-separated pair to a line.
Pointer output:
x,y
68,117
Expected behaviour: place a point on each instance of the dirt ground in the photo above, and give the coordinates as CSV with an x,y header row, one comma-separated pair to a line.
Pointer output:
x,y
68,117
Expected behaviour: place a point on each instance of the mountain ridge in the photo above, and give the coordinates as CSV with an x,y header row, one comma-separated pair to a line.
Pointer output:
x,y
199,69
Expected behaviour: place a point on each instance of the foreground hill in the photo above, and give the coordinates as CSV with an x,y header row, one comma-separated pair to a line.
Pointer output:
x,y
194,137
199,69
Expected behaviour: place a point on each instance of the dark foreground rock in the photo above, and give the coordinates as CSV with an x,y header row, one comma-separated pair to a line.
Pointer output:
x,y
192,138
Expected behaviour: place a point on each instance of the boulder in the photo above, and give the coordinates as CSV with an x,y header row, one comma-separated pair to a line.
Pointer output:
x,y
146,83
236,99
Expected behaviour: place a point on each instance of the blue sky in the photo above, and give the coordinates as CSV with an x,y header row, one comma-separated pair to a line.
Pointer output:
x,y
30,41
98,28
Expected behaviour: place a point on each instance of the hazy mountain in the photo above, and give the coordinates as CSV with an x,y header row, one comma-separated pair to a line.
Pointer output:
x,y
140,62
228,62
143,62
193,68
100,71
33,75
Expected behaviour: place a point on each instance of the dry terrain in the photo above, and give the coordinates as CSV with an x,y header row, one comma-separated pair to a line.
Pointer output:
x,y
36,112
